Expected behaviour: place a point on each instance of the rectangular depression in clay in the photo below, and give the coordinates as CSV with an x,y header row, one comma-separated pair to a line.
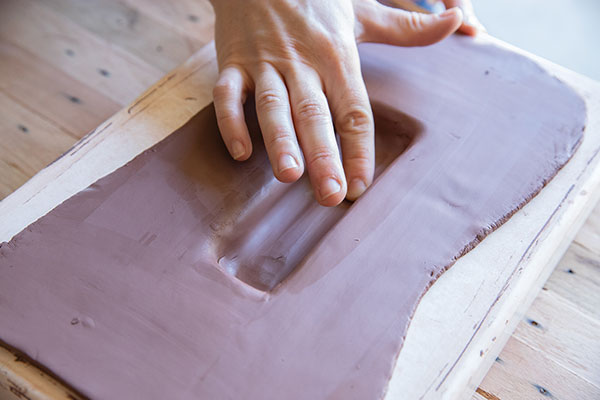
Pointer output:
x,y
266,237
187,275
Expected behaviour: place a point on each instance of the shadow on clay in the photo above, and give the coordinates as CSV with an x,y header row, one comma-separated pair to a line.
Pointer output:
x,y
283,222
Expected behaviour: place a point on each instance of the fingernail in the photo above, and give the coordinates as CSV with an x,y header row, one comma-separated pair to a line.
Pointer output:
x,y
356,188
329,187
286,162
237,149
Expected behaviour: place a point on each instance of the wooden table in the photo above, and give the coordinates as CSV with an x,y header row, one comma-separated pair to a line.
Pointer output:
x,y
68,65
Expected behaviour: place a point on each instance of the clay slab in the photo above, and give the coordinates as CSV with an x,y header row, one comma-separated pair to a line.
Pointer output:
x,y
186,275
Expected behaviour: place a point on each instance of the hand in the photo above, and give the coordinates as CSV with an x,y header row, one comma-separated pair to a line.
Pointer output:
x,y
300,59
470,25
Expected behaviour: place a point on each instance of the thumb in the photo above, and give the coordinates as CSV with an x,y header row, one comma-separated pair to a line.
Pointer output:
x,y
383,24
470,25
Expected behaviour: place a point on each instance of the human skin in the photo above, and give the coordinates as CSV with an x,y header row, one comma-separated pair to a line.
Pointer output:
x,y
300,59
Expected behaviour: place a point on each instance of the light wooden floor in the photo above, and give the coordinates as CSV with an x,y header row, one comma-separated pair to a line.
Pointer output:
x,y
555,351
67,65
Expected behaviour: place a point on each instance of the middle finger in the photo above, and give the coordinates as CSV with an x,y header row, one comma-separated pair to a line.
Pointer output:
x,y
314,128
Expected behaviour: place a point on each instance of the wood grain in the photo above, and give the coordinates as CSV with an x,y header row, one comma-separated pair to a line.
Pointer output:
x,y
577,277
51,93
553,353
65,74
129,29
20,380
66,46
193,20
589,236
572,342
24,133
524,373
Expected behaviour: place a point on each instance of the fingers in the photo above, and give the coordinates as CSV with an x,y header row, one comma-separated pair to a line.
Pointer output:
x,y
353,121
314,129
228,94
274,116
470,25
307,120
383,24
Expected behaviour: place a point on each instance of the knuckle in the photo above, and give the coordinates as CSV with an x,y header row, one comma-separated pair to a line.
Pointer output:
x,y
356,121
414,21
345,48
322,37
360,158
279,137
223,90
321,155
309,110
340,53
330,47
269,99
290,65
226,115
340,42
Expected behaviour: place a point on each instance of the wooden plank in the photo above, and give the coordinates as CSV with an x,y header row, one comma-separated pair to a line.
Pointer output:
x,y
20,380
192,19
518,256
574,284
589,236
29,143
525,373
577,279
566,335
130,29
66,46
56,96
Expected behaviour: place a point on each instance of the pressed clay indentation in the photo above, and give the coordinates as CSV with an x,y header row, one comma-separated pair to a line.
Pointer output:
x,y
262,252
